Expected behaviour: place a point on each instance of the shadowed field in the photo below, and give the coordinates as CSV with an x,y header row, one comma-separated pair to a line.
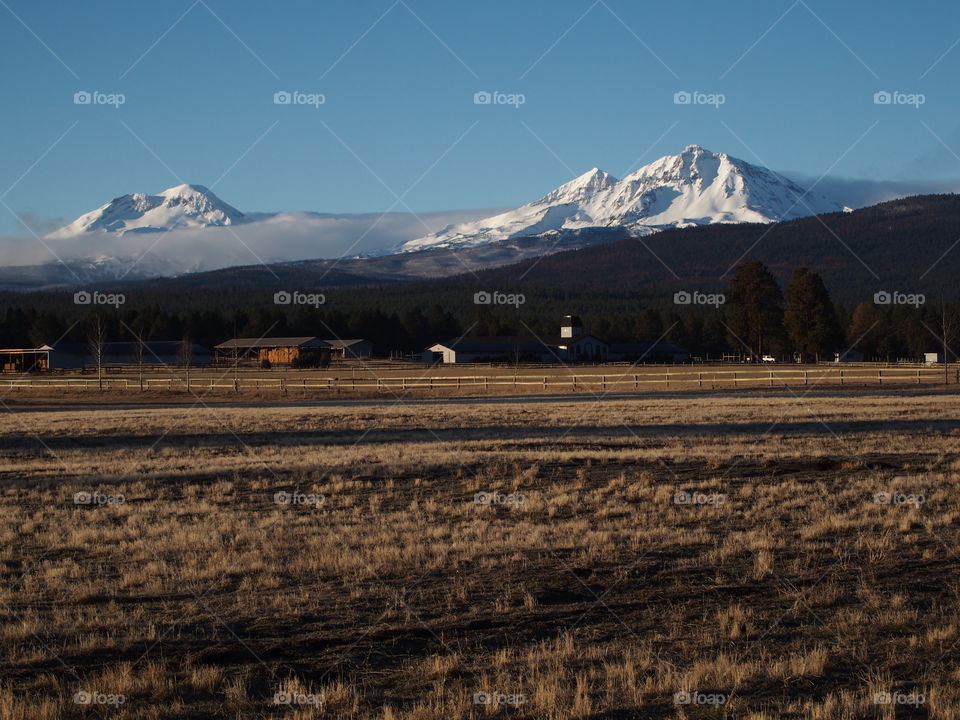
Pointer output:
x,y
744,555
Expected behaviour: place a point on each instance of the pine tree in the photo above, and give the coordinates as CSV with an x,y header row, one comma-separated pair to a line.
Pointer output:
x,y
754,309
809,317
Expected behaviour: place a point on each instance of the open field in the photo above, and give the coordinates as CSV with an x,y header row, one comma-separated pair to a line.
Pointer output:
x,y
753,554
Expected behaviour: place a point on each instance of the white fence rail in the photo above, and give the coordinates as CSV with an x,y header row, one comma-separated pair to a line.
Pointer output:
x,y
558,382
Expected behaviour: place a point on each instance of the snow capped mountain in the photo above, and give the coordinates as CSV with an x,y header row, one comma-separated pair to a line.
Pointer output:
x,y
696,187
201,232
183,206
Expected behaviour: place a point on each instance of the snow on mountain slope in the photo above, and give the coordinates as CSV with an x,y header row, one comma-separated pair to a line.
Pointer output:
x,y
696,187
183,206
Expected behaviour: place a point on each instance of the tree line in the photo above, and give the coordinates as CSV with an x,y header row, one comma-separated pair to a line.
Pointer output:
x,y
757,318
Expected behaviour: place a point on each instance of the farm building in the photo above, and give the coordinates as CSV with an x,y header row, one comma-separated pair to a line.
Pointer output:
x,y
355,348
25,359
572,345
492,349
299,351
550,349
74,356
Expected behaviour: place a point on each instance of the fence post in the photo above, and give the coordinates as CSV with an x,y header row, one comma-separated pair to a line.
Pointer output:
x,y
918,376
666,380
771,378
699,379
544,382
841,376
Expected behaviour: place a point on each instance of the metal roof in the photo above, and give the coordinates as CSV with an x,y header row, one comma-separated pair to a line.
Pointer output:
x,y
268,342
345,343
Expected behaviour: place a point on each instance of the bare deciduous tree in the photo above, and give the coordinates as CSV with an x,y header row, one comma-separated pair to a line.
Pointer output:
x,y
96,340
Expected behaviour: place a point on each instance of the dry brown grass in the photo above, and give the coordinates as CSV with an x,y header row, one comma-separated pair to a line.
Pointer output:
x,y
583,589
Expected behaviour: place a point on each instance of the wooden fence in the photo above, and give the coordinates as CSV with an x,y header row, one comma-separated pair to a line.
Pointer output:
x,y
669,379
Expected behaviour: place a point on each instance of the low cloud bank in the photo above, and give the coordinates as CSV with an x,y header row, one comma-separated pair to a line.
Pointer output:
x,y
858,193
272,238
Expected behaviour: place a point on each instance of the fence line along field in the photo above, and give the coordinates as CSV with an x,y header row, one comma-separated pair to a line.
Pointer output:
x,y
371,378
759,555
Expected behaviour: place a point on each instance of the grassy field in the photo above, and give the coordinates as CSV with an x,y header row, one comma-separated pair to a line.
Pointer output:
x,y
760,554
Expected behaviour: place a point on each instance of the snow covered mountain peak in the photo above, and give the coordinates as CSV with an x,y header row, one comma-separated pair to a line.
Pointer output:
x,y
183,206
580,188
694,187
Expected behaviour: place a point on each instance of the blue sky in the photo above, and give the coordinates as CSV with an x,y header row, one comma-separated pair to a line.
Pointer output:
x,y
398,78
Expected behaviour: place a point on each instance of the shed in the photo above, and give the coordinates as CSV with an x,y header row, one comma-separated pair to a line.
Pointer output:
x,y
21,360
353,348
299,351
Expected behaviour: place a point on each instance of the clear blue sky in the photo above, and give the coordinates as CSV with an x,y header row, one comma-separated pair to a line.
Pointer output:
x,y
399,94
